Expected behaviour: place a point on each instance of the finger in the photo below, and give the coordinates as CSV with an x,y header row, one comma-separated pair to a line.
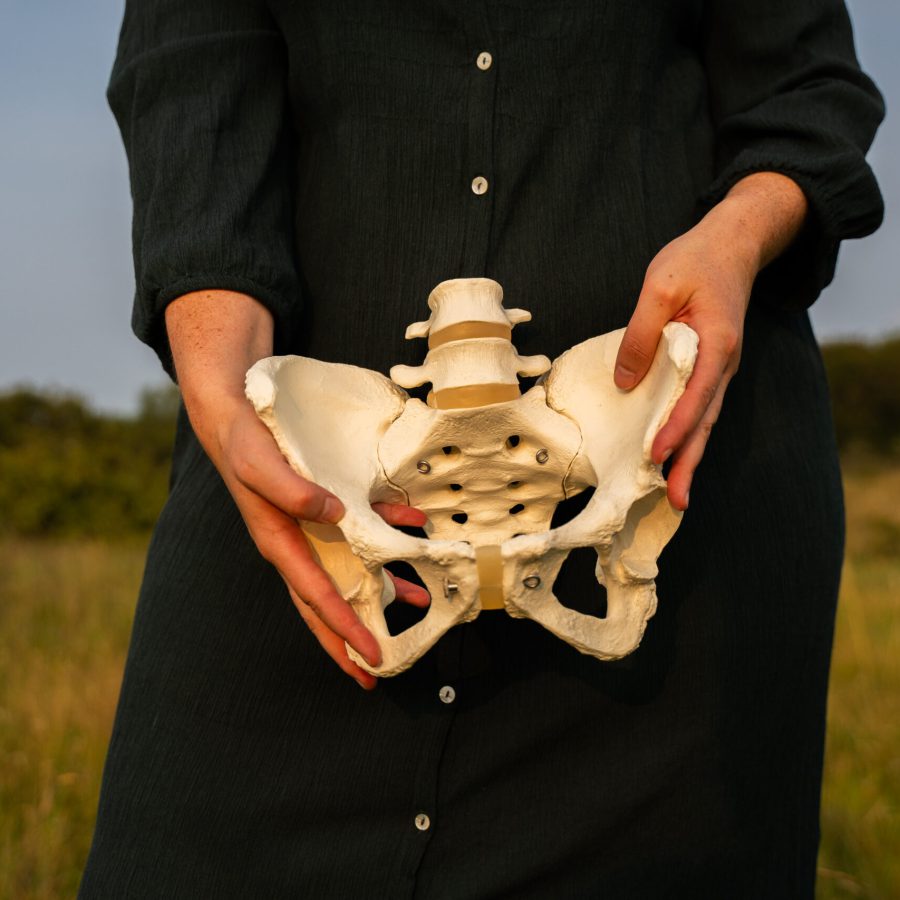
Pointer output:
x,y
259,466
317,591
333,645
399,514
686,460
708,376
409,591
655,307
282,543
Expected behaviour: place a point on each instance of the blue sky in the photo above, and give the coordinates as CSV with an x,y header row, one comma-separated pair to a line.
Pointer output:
x,y
65,263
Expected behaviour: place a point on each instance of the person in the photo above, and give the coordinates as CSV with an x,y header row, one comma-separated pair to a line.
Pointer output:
x,y
303,175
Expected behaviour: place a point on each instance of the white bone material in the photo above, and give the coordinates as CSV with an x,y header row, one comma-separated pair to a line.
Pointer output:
x,y
488,466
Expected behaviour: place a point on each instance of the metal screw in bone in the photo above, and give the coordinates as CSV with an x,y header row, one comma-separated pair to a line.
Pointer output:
x,y
542,456
532,581
450,588
423,467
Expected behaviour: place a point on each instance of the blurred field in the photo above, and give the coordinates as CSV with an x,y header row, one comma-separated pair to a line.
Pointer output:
x,y
860,851
65,615
65,611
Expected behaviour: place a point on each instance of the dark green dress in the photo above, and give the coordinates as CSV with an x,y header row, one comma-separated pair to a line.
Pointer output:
x,y
319,156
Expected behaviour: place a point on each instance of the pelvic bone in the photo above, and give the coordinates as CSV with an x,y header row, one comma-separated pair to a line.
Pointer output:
x,y
488,466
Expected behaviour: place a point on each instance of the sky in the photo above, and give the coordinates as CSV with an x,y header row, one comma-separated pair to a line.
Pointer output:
x,y
66,280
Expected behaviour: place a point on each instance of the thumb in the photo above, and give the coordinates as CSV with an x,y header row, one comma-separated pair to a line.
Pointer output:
x,y
259,465
640,340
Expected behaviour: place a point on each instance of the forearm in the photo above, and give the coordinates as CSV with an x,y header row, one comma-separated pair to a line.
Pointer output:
x,y
760,217
215,337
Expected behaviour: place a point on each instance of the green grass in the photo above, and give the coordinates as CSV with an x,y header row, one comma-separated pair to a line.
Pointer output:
x,y
65,613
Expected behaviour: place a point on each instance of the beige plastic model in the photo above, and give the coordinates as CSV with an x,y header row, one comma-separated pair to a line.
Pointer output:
x,y
488,465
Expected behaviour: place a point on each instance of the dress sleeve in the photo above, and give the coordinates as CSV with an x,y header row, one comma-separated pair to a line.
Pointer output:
x,y
787,95
198,88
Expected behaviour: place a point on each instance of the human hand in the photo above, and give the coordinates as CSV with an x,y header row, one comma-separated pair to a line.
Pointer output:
x,y
272,498
215,337
703,278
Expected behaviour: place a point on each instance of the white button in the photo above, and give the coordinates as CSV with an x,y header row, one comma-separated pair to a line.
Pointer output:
x,y
484,60
447,694
479,185
423,823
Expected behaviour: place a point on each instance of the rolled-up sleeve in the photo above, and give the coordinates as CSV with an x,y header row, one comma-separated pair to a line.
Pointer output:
x,y
198,88
787,95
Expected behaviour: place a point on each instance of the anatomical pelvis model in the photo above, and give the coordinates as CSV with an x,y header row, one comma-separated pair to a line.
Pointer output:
x,y
488,466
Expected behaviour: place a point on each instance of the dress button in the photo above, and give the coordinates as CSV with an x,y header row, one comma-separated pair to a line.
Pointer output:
x,y
447,694
479,185
484,60
423,823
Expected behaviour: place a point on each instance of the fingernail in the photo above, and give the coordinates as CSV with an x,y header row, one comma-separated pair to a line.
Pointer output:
x,y
624,376
687,499
365,686
665,456
333,510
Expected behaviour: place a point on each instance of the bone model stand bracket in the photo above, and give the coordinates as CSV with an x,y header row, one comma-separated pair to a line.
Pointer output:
x,y
488,465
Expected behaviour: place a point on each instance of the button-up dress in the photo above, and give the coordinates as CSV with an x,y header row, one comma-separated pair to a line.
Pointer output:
x,y
336,160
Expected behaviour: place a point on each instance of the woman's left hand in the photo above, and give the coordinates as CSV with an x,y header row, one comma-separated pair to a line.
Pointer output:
x,y
703,278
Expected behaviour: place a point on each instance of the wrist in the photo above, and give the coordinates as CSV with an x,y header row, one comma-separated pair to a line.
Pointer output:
x,y
760,216
217,334
215,337
736,234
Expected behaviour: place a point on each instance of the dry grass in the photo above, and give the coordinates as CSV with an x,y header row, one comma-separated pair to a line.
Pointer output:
x,y
65,612
860,854
873,510
861,794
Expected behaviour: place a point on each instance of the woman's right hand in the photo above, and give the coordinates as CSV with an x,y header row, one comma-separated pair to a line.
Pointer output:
x,y
215,337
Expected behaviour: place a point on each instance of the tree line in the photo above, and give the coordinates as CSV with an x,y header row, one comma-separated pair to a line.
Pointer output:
x,y
66,469
865,396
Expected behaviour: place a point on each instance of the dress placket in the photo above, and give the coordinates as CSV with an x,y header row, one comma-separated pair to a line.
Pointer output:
x,y
442,698
479,168
436,700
